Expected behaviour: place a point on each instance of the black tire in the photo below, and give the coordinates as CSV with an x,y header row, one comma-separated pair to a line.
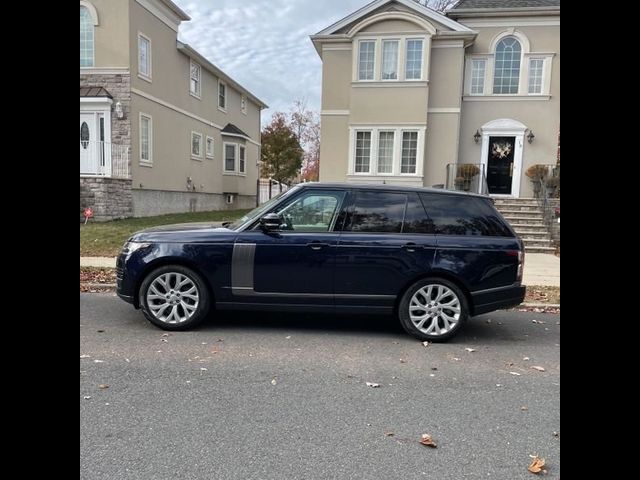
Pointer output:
x,y
175,272
440,322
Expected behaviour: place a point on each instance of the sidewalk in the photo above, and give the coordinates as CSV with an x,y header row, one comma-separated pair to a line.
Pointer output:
x,y
539,268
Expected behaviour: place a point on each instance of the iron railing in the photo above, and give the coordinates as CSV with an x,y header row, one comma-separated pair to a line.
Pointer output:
x,y
268,188
546,189
468,177
104,159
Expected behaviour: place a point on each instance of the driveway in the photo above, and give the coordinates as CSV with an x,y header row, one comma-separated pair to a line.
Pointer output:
x,y
277,396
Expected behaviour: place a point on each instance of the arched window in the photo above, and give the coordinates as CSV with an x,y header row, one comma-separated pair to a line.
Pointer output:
x,y
506,74
86,38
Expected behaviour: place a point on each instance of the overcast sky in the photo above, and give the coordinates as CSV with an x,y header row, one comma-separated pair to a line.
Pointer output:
x,y
264,44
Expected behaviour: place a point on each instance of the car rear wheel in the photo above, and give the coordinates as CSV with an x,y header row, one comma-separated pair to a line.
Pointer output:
x,y
433,309
174,297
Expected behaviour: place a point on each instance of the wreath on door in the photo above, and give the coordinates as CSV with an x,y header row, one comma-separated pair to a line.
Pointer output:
x,y
501,150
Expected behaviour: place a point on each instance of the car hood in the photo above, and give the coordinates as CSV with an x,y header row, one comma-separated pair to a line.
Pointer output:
x,y
185,233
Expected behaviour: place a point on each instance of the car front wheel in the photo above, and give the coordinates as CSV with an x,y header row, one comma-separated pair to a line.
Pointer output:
x,y
433,309
174,297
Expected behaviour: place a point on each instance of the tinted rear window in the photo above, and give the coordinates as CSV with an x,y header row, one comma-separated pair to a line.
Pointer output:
x,y
381,212
462,215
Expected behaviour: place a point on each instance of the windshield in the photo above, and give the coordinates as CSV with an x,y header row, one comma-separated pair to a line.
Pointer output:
x,y
258,211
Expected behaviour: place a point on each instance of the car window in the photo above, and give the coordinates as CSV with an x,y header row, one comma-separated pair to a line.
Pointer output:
x,y
416,219
313,211
381,212
462,215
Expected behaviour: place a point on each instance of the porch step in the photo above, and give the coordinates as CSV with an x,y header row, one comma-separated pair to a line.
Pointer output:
x,y
519,207
525,217
513,220
538,250
542,233
520,213
515,201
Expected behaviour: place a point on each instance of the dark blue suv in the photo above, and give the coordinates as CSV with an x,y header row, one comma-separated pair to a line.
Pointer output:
x,y
431,257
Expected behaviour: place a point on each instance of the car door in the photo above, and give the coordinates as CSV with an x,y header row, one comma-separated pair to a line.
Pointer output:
x,y
387,241
293,264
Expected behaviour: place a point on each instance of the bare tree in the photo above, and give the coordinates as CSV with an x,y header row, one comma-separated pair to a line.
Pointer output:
x,y
438,5
305,124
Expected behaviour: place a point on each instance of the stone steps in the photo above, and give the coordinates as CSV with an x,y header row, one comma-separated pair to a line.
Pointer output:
x,y
525,217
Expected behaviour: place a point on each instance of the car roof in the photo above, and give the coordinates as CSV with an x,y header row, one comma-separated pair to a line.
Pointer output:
x,y
385,187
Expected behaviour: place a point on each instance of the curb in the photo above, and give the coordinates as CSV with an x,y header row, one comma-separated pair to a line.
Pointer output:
x,y
539,305
104,286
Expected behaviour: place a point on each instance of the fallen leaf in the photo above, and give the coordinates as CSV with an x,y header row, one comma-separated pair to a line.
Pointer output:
x,y
203,343
100,331
524,408
456,359
389,434
273,382
103,385
426,440
515,373
372,385
85,356
432,374
540,369
556,434
127,360
426,344
402,360
202,369
288,337
509,364
164,340
221,339
534,321
158,351
526,359
107,403
87,397
489,320
395,342
188,381
498,384
470,349
98,361
536,464
165,335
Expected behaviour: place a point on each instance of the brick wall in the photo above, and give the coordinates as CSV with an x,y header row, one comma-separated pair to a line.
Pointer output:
x,y
119,86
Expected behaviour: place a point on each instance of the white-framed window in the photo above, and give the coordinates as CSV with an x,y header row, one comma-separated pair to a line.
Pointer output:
x,y
222,95
385,151
363,152
409,152
243,104
413,63
366,59
506,69
194,79
230,157
144,57
86,38
146,138
196,145
209,147
229,198
242,163
390,59
536,77
478,71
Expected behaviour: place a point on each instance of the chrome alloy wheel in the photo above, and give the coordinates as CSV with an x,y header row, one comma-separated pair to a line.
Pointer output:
x,y
172,298
434,309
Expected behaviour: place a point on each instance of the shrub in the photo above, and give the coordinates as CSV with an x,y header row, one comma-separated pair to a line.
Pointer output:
x,y
468,170
536,172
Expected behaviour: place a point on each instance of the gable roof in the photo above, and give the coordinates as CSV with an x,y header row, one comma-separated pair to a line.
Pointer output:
x,y
94,92
231,129
477,4
411,4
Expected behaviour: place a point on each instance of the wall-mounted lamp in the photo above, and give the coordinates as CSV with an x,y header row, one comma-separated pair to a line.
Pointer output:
x,y
476,137
119,112
530,136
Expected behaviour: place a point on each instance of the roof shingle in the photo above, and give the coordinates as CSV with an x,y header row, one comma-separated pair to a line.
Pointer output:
x,y
476,4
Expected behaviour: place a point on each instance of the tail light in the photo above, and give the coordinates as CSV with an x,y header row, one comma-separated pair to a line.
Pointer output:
x,y
520,265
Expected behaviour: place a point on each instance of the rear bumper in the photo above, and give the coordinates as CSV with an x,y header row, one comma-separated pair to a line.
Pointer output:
x,y
498,298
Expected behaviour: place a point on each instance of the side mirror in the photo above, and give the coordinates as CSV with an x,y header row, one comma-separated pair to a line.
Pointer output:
x,y
271,221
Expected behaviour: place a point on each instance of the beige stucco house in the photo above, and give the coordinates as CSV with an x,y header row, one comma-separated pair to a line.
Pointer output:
x,y
409,94
162,129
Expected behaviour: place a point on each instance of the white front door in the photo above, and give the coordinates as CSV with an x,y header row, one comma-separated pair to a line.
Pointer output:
x,y
93,158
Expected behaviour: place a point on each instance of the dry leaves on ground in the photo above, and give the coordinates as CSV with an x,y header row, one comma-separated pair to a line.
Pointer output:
x,y
103,386
470,350
427,441
97,275
373,385
537,465
538,368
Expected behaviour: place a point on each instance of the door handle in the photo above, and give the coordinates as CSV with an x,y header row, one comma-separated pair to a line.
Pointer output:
x,y
411,247
317,245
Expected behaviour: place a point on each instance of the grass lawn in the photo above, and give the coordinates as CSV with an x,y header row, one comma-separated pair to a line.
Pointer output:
x,y
105,239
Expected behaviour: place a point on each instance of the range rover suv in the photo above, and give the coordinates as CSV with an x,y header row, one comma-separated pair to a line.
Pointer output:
x,y
431,257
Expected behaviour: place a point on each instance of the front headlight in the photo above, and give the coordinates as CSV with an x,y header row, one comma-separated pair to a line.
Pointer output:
x,y
131,247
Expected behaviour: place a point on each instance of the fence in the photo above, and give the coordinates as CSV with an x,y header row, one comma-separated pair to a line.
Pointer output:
x,y
268,188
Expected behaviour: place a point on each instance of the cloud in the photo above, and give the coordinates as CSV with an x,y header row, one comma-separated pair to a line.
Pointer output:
x,y
264,44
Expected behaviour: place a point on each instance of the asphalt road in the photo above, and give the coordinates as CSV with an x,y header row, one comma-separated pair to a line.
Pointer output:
x,y
276,396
